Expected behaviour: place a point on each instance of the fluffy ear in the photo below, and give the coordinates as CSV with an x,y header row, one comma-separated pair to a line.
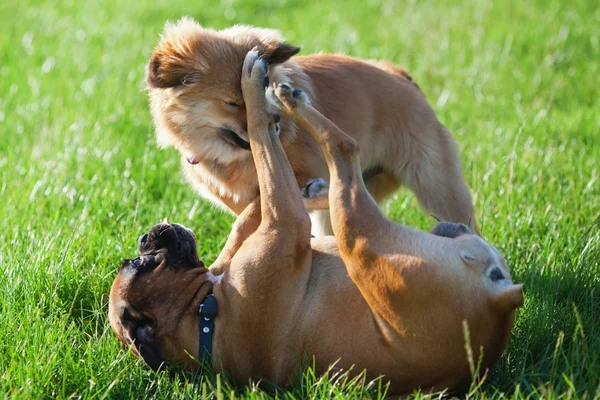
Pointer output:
x,y
173,63
277,53
165,71
509,298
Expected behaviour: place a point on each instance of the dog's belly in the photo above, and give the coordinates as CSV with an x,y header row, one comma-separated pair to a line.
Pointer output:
x,y
338,328
326,318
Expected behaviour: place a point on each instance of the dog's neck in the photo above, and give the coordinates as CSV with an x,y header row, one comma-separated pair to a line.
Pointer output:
x,y
201,301
184,341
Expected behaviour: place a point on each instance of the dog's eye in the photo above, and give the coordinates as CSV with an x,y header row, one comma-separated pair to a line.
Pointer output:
x,y
232,104
137,262
144,263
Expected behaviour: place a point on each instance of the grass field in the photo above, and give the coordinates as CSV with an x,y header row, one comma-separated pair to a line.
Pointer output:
x,y
81,176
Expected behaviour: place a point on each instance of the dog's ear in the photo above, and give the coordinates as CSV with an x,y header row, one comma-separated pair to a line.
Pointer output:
x,y
145,344
173,62
156,76
450,229
269,42
277,53
141,332
167,70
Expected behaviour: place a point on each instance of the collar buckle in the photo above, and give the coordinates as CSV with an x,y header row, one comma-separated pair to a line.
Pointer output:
x,y
208,308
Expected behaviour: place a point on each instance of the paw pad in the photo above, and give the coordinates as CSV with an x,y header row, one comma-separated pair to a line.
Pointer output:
x,y
253,59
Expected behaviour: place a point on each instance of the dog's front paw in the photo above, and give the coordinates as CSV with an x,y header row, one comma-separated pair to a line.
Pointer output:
x,y
255,77
315,188
283,96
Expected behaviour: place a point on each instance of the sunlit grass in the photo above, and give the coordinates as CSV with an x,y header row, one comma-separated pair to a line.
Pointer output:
x,y
81,176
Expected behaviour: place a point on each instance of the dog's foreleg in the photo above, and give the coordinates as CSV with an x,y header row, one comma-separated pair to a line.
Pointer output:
x,y
351,206
364,235
436,178
281,203
244,226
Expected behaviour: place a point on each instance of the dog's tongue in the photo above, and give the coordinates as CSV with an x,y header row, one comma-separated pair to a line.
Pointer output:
x,y
192,161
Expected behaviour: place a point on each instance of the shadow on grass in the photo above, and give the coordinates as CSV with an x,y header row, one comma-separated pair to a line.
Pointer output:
x,y
555,345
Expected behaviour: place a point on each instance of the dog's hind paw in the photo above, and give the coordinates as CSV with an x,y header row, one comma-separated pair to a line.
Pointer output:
x,y
284,96
315,188
450,229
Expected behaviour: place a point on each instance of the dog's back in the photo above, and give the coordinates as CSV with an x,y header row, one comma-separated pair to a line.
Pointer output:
x,y
194,82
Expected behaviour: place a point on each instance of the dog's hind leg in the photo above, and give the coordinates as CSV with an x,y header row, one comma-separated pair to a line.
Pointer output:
x,y
355,215
368,241
375,250
245,225
435,176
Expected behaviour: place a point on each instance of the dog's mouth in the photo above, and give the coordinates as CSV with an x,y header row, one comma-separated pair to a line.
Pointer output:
x,y
233,138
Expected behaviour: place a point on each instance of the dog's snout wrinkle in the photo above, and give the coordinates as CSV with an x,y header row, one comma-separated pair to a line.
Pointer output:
x,y
164,229
143,241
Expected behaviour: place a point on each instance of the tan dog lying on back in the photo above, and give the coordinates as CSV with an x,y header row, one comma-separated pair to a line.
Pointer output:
x,y
378,296
196,101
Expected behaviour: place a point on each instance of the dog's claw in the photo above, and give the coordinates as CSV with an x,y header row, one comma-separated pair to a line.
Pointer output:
x,y
251,58
284,96
272,98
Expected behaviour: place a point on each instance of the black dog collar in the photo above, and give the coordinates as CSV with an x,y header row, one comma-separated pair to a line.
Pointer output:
x,y
208,312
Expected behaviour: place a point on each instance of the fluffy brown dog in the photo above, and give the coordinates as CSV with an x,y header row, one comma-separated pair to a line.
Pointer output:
x,y
378,295
196,101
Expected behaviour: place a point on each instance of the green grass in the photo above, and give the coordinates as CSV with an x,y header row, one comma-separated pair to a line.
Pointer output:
x,y
81,176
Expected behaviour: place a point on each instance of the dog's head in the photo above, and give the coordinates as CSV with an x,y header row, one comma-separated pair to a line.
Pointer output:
x,y
154,299
194,81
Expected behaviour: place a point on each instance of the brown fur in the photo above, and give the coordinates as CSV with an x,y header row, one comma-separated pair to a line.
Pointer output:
x,y
377,296
194,86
